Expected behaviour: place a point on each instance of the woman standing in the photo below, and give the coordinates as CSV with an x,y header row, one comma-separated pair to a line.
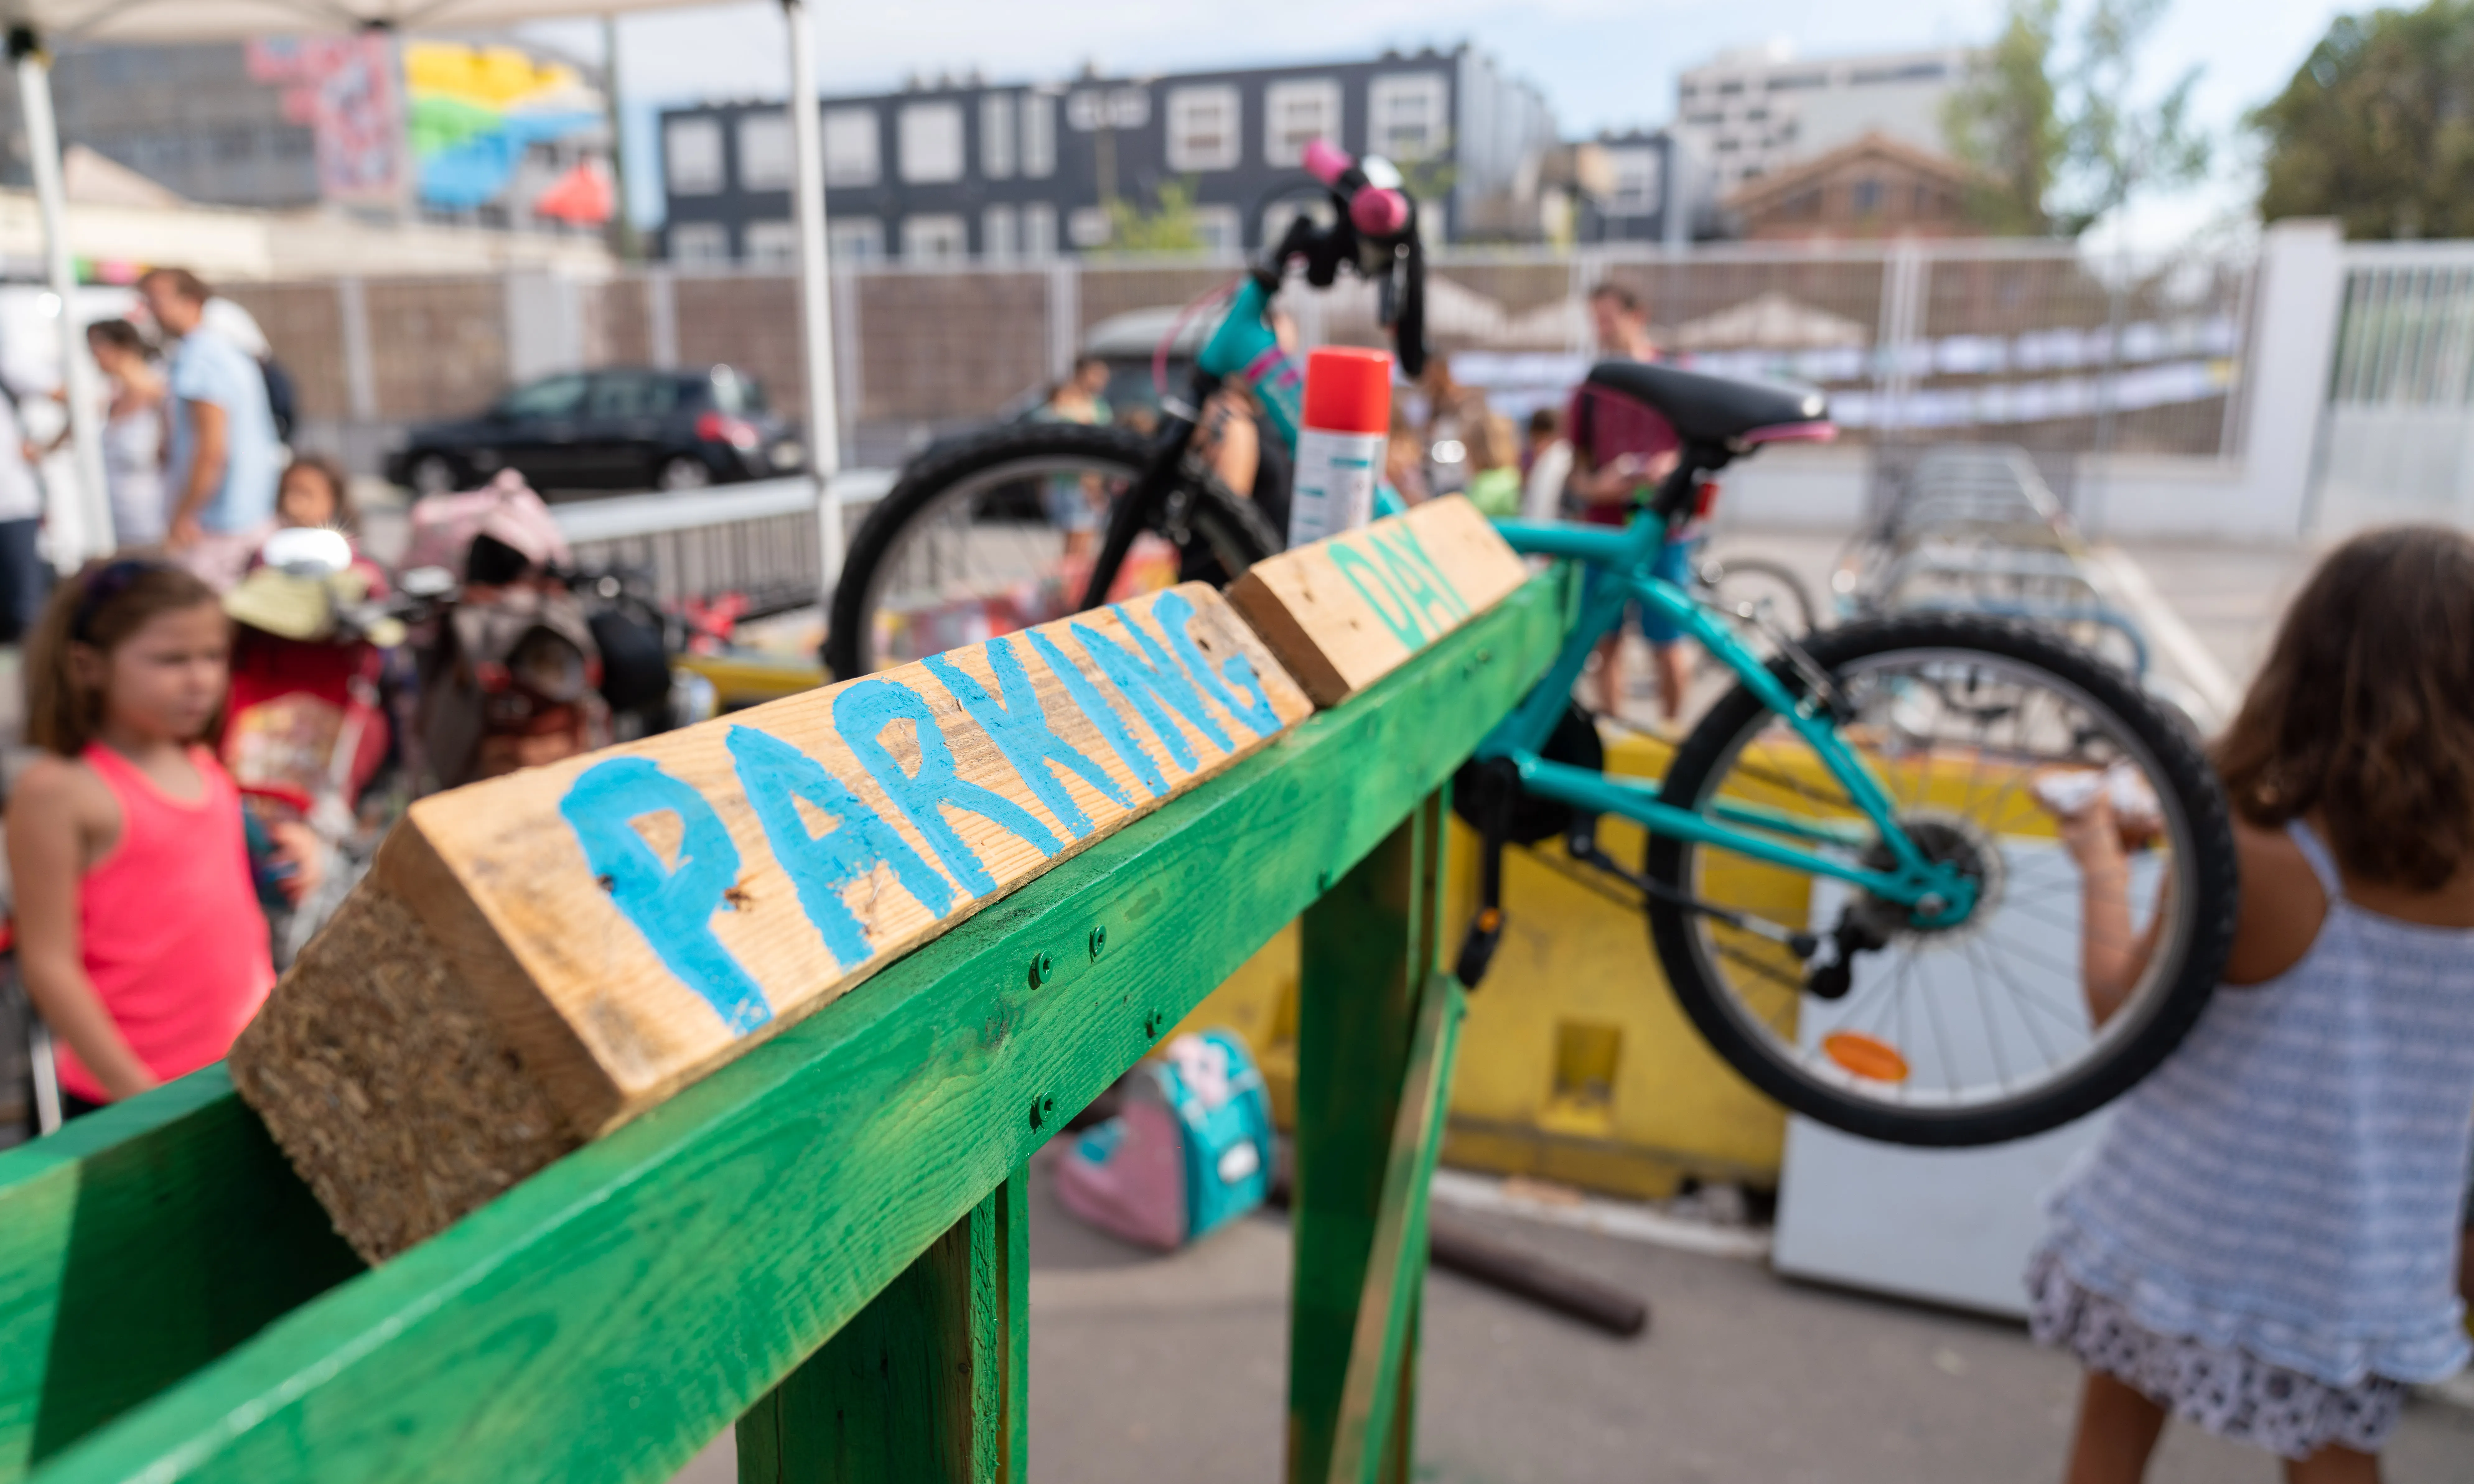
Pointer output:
x,y
132,433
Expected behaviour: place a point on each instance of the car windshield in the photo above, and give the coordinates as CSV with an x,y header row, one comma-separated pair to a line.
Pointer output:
x,y
554,396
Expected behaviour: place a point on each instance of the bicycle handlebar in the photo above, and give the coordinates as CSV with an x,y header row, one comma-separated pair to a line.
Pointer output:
x,y
1379,209
1376,232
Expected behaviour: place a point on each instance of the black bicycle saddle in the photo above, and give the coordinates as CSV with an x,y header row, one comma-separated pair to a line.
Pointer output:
x,y
1709,409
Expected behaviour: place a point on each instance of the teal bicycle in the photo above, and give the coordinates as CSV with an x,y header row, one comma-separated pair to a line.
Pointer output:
x,y
1852,872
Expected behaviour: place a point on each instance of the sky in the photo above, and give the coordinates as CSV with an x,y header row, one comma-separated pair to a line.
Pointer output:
x,y
1603,65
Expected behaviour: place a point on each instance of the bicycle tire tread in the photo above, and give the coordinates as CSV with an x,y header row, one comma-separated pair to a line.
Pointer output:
x,y
2185,768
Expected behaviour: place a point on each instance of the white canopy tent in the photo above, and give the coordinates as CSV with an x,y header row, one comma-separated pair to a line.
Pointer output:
x,y
34,24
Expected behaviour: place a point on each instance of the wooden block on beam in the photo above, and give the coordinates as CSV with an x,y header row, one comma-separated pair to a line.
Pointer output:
x,y
1344,611
536,959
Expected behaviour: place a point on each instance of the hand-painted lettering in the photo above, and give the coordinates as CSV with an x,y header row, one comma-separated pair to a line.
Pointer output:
x,y
671,905
1147,680
1019,728
775,776
861,714
1177,619
1365,576
1404,537
1434,610
1095,704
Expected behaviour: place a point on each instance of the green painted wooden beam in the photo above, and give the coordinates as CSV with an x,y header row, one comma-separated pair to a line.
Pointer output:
x,y
136,1245
1367,956
927,1383
609,1316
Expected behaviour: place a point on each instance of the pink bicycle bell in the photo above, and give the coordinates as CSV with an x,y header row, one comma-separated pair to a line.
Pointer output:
x,y
1340,448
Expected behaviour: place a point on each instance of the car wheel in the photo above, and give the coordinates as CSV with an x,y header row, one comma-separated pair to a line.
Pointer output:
x,y
433,474
682,473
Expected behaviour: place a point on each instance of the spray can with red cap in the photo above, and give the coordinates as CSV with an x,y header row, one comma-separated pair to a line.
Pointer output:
x,y
1347,416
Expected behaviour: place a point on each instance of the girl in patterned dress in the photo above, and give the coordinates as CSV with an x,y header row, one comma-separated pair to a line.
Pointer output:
x,y
2265,1242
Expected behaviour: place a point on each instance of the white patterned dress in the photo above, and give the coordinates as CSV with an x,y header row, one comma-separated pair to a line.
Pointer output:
x,y
2266,1241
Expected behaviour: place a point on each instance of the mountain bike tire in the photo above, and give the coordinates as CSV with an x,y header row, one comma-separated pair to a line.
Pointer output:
x,y
1218,534
2166,1013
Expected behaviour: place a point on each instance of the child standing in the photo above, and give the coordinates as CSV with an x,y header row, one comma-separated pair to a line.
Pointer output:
x,y
2265,1244
139,933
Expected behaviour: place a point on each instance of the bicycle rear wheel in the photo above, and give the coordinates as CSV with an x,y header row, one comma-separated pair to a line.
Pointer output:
x,y
998,531
1978,1031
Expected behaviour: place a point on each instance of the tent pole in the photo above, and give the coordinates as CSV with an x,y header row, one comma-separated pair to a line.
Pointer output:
x,y
85,508
816,290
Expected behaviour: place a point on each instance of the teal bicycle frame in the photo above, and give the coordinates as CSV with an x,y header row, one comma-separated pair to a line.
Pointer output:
x,y
1939,894
1244,350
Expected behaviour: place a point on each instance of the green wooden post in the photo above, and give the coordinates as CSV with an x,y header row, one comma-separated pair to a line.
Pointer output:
x,y
1375,1032
926,1383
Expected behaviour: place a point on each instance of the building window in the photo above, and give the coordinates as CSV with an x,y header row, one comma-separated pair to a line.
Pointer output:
x,y
1296,111
1639,179
1038,135
692,156
941,238
853,154
1203,128
764,152
1087,226
772,245
699,244
1219,230
1040,229
1866,198
1000,234
1124,107
932,145
859,239
996,136
1405,114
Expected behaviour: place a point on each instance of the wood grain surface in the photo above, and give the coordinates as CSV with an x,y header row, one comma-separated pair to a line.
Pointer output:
x,y
1343,612
608,928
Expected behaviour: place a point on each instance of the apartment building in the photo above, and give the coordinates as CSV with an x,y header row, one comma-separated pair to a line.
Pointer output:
x,y
954,169
1751,112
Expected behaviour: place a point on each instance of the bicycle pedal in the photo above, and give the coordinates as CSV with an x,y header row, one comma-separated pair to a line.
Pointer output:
x,y
1477,947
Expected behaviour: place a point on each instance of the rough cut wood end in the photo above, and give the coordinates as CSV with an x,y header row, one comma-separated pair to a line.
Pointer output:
x,y
390,1090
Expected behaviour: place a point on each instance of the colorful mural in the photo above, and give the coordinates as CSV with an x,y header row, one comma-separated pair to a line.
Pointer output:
x,y
476,110
343,89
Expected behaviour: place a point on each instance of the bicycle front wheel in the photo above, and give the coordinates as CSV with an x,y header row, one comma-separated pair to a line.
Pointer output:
x,y
1964,1033
999,531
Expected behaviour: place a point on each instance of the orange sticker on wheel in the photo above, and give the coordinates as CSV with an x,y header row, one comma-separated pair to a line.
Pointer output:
x,y
1876,1061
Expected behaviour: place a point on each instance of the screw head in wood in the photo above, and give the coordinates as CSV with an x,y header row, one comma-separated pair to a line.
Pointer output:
x,y
1042,967
1099,942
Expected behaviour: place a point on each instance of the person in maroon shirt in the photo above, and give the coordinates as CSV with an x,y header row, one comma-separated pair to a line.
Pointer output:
x,y
1622,449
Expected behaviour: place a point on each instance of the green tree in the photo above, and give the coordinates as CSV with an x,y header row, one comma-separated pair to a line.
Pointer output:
x,y
2055,134
1169,226
2377,128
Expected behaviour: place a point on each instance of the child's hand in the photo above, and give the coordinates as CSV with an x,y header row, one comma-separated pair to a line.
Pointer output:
x,y
297,846
2093,836
2101,817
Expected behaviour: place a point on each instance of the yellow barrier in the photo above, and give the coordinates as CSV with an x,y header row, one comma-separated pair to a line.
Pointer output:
x,y
1576,1063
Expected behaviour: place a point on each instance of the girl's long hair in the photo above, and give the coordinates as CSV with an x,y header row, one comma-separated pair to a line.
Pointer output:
x,y
2365,709
99,608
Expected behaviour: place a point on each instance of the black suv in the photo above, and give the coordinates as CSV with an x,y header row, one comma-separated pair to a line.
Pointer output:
x,y
614,429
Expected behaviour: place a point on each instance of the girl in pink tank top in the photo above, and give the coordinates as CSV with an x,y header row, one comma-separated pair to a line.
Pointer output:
x,y
138,929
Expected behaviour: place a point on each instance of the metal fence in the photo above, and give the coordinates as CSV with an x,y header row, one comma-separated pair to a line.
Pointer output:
x,y
2030,342
2398,439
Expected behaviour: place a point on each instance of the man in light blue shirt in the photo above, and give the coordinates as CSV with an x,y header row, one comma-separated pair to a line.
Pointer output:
x,y
221,467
